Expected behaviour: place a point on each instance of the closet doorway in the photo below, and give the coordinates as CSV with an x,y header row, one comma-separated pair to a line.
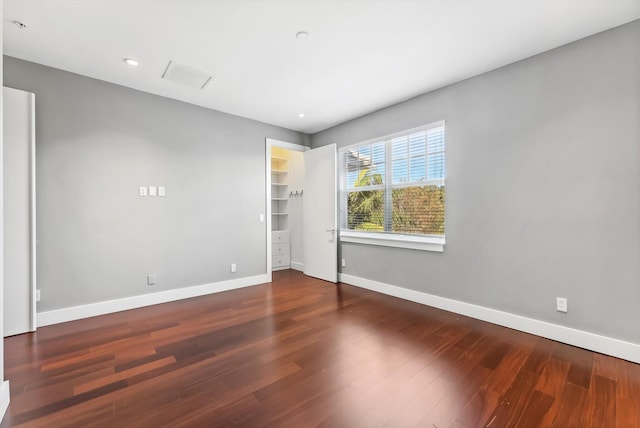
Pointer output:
x,y
301,209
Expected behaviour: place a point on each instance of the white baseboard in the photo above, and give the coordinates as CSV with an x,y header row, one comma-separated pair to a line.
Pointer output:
x,y
4,398
583,339
110,306
297,266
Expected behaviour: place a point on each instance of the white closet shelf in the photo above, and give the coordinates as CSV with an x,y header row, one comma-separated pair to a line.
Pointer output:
x,y
280,177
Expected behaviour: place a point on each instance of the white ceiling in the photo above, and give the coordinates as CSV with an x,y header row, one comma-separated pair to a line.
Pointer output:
x,y
362,56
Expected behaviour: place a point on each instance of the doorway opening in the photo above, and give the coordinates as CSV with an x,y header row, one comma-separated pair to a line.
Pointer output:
x,y
302,209
285,199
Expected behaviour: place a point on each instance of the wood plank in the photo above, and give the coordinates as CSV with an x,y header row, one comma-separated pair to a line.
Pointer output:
x,y
536,410
478,409
553,377
628,375
605,366
571,407
105,380
301,352
494,357
514,402
580,364
627,413
537,359
446,411
411,414
601,402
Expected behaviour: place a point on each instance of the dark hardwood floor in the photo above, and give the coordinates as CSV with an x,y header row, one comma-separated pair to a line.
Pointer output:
x,y
300,352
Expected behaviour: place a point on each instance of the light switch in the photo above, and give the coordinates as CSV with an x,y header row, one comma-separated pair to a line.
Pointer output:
x,y
153,190
261,218
161,191
143,191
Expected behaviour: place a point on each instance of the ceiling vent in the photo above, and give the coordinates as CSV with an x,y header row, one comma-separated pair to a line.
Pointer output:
x,y
186,75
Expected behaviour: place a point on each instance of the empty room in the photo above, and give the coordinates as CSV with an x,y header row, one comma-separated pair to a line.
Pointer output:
x,y
320,213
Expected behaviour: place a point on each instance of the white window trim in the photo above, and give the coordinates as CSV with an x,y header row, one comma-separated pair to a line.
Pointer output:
x,y
413,242
388,239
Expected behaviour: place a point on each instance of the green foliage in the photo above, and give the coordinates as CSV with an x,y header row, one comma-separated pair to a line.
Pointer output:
x,y
366,208
415,210
419,210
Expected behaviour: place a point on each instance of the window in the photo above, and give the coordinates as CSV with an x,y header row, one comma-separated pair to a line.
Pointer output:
x,y
392,190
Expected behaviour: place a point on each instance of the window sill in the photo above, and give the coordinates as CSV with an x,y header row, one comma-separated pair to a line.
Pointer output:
x,y
424,243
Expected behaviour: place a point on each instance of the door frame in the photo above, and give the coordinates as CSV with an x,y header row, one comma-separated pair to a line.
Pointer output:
x,y
32,214
32,208
269,143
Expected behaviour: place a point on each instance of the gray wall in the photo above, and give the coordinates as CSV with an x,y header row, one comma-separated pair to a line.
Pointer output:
x,y
543,188
96,144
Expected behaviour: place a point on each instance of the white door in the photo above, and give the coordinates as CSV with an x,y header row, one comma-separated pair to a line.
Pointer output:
x,y
320,214
18,214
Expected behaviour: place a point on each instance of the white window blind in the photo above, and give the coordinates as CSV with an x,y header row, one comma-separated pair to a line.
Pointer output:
x,y
395,184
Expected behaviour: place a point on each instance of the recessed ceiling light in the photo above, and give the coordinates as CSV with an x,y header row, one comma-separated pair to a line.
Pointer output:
x,y
303,36
300,114
131,62
20,25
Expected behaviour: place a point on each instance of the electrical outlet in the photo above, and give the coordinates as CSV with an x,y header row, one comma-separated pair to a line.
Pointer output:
x,y
344,262
162,191
561,304
233,268
143,191
37,295
151,280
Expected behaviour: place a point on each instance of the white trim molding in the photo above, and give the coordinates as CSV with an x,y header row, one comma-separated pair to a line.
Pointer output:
x,y
286,145
4,398
297,266
110,306
425,243
583,339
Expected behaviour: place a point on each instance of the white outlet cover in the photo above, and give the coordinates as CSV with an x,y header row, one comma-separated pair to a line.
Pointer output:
x,y
161,191
153,190
561,304
143,191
